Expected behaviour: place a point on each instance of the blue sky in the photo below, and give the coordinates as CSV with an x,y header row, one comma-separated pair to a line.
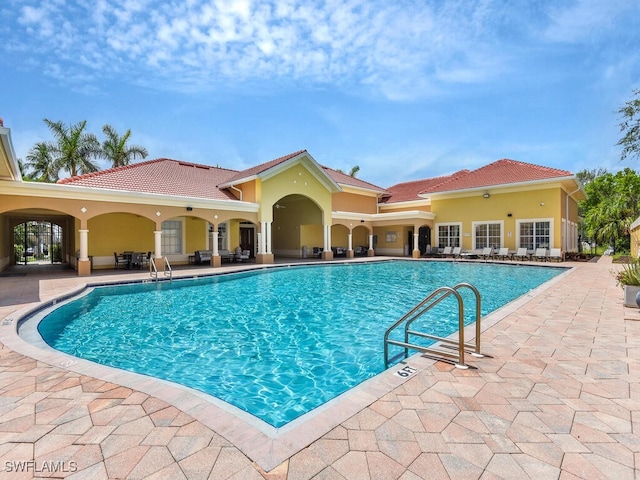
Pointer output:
x,y
404,89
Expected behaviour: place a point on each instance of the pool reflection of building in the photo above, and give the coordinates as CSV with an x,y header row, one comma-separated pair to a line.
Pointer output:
x,y
288,207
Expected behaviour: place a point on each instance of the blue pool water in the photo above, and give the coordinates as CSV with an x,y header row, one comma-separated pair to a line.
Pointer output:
x,y
274,342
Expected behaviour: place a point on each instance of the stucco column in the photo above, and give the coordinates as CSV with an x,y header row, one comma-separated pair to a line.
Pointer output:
x,y
216,260
264,244
327,254
268,239
84,264
157,253
416,248
214,247
350,253
371,252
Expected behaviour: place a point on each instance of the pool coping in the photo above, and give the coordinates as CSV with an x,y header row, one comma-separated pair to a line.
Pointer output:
x,y
267,446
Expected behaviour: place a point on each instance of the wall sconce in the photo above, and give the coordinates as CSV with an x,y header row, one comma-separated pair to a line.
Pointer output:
x,y
189,209
158,214
486,195
83,210
362,221
508,214
542,204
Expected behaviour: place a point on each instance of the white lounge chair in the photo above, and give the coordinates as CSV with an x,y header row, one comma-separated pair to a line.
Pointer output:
x,y
446,252
456,252
555,254
503,253
487,253
522,254
541,254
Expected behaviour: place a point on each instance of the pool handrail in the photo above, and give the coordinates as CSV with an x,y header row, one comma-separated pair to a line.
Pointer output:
x,y
153,270
430,301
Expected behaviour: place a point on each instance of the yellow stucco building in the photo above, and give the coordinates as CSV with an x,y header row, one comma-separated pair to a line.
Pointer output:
x,y
289,207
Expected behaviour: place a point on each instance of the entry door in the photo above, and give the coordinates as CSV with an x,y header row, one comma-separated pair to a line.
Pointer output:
x,y
247,239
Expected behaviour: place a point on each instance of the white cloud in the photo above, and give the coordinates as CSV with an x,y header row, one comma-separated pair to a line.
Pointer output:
x,y
403,49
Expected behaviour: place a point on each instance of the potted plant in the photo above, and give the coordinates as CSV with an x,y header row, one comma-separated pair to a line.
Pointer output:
x,y
629,279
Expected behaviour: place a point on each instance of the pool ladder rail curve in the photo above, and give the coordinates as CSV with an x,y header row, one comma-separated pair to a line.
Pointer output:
x,y
449,350
153,270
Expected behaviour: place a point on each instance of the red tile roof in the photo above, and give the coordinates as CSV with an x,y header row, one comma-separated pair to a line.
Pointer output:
x,y
344,179
263,167
501,172
409,191
162,176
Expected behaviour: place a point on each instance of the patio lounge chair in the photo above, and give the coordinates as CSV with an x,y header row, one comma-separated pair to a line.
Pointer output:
x,y
522,254
503,253
541,254
456,252
555,254
487,253
446,252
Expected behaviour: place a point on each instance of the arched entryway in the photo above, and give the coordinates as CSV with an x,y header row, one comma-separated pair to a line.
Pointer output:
x,y
297,223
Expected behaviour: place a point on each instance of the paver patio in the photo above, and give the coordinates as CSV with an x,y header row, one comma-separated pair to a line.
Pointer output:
x,y
558,398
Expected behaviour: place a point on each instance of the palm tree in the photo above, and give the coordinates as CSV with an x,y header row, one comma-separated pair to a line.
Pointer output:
x,y
352,173
74,148
42,164
115,148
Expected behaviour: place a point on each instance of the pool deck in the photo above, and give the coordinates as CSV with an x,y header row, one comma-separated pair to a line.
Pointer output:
x,y
558,398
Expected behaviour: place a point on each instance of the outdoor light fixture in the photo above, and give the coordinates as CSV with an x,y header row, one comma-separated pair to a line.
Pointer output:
x,y
486,195
83,210
189,209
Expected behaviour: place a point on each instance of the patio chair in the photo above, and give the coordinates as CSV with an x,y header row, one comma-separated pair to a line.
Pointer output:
x,y
522,254
136,260
555,254
541,254
120,261
503,253
446,252
456,252
487,253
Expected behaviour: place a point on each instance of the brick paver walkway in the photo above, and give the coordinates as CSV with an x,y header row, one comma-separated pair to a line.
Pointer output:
x,y
560,398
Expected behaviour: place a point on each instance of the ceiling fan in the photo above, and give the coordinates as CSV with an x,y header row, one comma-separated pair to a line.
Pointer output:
x,y
277,205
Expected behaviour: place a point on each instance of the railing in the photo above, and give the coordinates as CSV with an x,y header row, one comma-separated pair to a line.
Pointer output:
x,y
153,270
424,306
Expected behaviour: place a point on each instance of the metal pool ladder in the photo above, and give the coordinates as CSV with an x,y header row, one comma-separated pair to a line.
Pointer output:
x,y
448,350
153,270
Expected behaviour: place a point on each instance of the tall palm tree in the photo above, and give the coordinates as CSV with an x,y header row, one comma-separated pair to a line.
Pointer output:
x,y
42,164
74,148
116,150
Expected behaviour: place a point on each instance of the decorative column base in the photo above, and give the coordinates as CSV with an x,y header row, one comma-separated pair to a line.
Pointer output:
x,y
264,258
350,254
328,255
216,260
416,254
371,252
84,268
159,263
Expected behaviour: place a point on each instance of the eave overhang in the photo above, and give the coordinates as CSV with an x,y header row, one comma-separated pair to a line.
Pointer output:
x,y
72,192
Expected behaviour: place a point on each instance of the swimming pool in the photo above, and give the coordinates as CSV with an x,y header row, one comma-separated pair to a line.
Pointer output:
x,y
276,342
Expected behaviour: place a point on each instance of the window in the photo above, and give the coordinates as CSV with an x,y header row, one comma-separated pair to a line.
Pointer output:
x,y
222,236
171,237
488,235
449,235
535,234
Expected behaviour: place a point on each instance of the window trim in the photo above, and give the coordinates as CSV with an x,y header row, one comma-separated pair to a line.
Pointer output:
x,y
520,221
487,222
181,221
448,224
